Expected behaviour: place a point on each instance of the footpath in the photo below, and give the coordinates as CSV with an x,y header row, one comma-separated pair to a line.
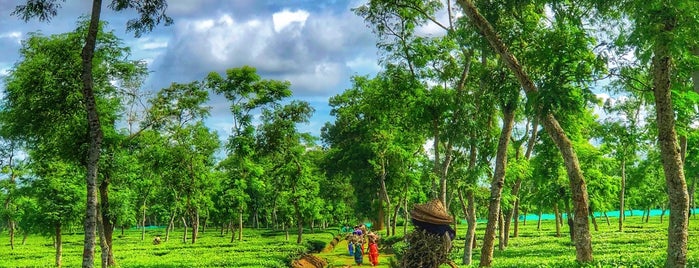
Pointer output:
x,y
338,255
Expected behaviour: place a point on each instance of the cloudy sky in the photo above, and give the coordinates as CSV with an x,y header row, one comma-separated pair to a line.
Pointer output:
x,y
317,45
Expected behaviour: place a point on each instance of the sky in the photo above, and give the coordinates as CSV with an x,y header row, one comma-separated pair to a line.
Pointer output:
x,y
317,45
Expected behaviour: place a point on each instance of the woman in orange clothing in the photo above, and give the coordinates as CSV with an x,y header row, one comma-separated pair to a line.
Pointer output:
x,y
373,249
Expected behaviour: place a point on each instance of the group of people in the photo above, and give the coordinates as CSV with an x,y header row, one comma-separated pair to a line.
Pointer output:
x,y
356,241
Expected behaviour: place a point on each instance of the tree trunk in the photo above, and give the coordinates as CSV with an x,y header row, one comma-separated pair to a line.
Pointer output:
x,y
195,225
95,133
496,187
538,222
470,212
24,238
107,224
240,224
662,214
524,219
558,220
232,226
583,243
143,222
184,232
516,219
103,241
594,220
606,218
170,227
569,220
59,245
395,217
669,147
621,195
11,226
501,231
405,222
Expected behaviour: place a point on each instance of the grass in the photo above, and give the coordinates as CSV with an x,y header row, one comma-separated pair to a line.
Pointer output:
x,y
640,245
259,248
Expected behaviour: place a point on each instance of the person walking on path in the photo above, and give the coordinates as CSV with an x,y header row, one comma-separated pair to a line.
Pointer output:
x,y
358,256
373,249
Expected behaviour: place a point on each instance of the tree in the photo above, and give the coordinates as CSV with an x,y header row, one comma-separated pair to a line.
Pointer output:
x,y
151,13
296,173
55,187
583,242
246,91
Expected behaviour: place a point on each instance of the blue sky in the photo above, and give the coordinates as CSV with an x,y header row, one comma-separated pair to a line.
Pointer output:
x,y
315,45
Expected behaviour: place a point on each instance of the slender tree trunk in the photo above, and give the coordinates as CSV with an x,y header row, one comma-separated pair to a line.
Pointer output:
x,y
107,224
538,222
662,214
195,225
24,238
395,217
143,221
516,219
470,212
11,226
496,187
669,148
583,243
223,229
240,224
501,231
59,245
621,195
232,226
103,241
594,220
170,227
606,218
569,220
95,132
405,221
299,222
558,220
524,219
184,232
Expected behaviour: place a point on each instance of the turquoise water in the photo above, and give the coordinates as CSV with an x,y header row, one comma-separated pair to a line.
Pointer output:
x,y
611,214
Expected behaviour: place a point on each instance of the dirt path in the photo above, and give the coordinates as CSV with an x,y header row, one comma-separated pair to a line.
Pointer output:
x,y
339,257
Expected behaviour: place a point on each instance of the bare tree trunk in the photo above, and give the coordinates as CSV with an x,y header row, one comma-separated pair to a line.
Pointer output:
x,y
594,220
516,218
143,222
501,231
405,222
538,222
606,218
661,65
470,211
59,245
103,241
240,224
496,186
184,232
583,243
195,225
558,220
107,224
95,133
569,219
232,226
170,227
621,195
11,226
24,238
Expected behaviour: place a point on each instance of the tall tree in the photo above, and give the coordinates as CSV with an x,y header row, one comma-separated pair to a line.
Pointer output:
x,y
246,91
151,13
583,243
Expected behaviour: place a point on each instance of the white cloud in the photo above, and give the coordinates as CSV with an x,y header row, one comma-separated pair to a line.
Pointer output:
x,y
17,36
284,18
